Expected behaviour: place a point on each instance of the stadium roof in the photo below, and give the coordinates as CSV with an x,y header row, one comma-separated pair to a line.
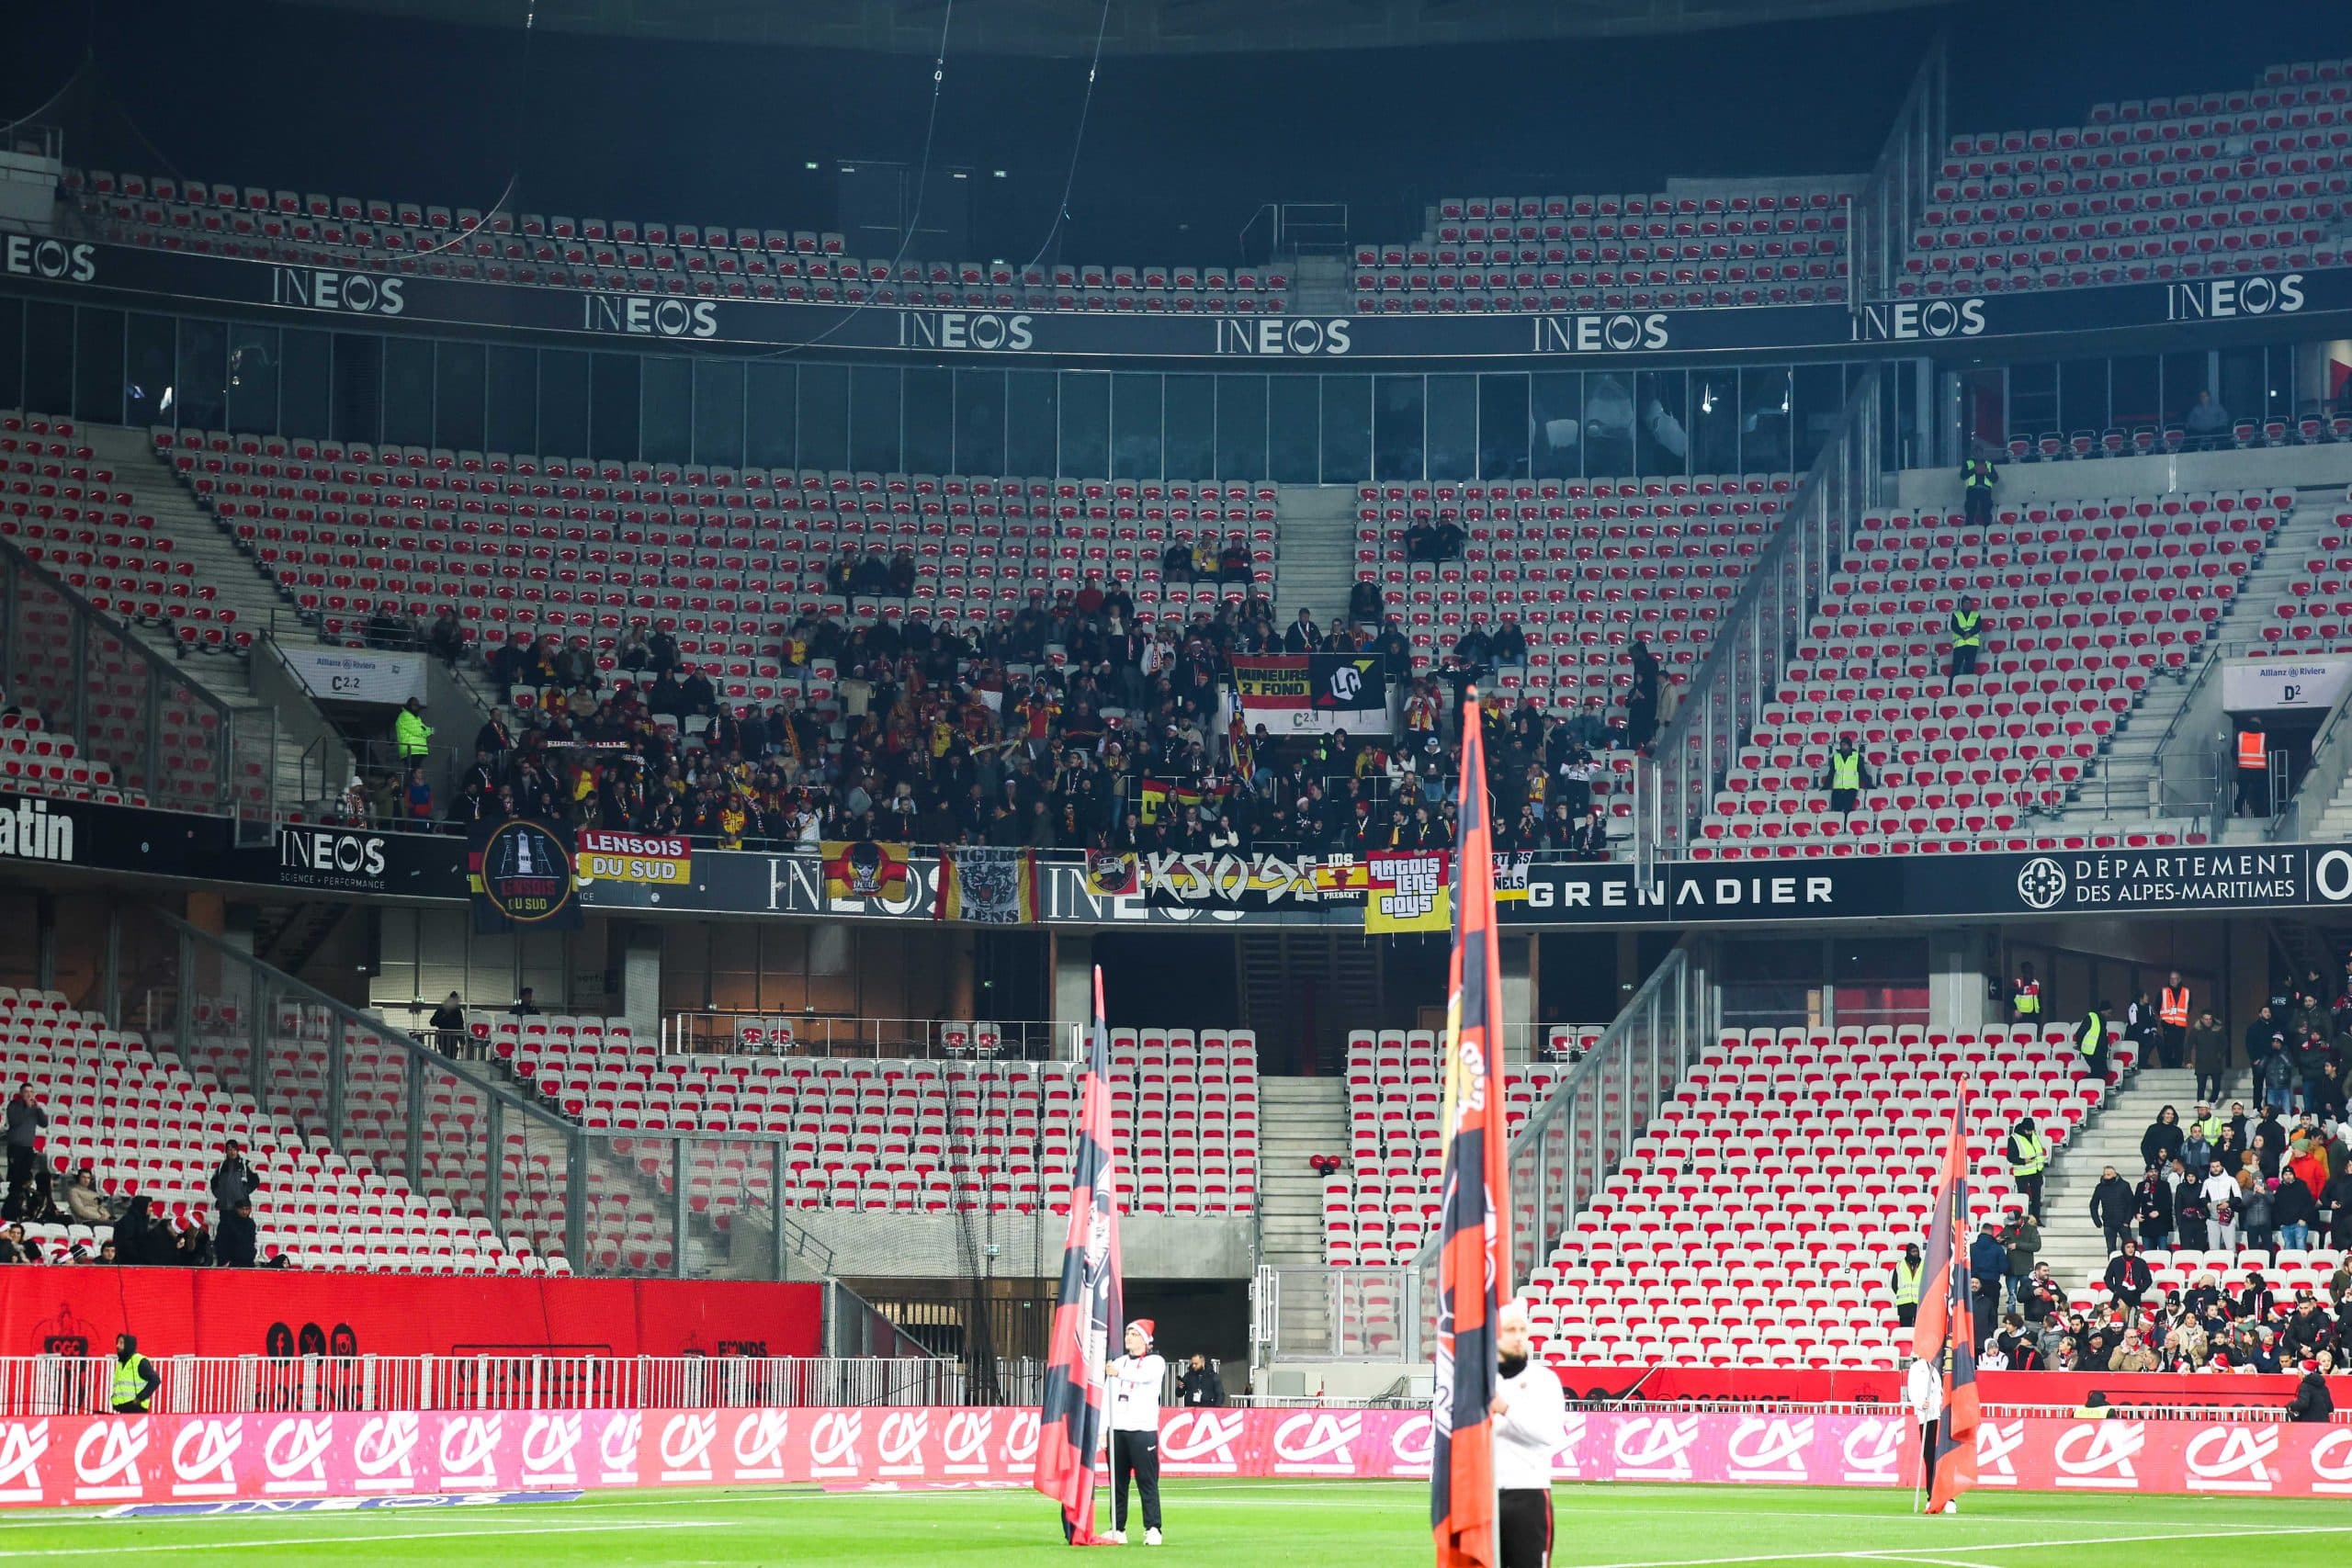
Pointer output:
x,y
1134,27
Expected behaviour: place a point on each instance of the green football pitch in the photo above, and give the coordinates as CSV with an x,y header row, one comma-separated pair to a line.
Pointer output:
x,y
1230,1524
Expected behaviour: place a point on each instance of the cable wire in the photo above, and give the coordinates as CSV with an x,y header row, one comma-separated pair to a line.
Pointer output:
x,y
1078,145
460,232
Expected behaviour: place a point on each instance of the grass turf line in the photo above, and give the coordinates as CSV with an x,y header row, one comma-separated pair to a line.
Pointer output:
x,y
1230,1525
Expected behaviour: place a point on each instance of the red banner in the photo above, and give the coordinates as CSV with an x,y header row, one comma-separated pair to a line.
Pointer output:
x,y
67,1460
288,1312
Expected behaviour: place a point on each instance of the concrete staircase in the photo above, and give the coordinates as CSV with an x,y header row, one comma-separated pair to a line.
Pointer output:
x,y
1322,285
1297,1119
236,582
2292,544
2123,786
1315,551
2072,1245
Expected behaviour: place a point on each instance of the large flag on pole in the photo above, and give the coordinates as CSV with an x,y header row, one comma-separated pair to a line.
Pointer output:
x,y
1474,1234
1943,1332
1089,1310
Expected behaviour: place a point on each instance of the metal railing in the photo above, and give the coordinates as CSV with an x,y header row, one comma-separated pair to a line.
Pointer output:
x,y
740,1032
1357,1313
159,734
1886,214
1757,638
232,1385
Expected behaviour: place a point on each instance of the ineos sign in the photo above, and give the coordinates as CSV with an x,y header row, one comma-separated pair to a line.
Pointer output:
x,y
649,315
1909,320
1600,334
983,330
322,288
54,260
2223,299
1280,336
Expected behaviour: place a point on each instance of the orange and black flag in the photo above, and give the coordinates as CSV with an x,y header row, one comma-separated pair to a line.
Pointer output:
x,y
1474,1223
1943,1332
1090,1311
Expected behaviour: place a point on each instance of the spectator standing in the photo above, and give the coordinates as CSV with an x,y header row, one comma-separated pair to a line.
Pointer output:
x,y
2113,1209
27,1117
2160,1144
1989,1267
2208,1053
2312,1402
1641,701
237,1241
2220,1191
2023,1237
448,1025
2207,421
2292,1210
235,1179
2154,1210
1977,479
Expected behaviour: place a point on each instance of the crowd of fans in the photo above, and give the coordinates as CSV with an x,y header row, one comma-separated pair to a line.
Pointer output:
x,y
1040,732
125,1227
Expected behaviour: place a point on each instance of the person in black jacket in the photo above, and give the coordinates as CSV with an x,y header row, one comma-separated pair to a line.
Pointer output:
x,y
2154,1211
2113,1208
236,1242
1200,1387
2127,1276
2312,1401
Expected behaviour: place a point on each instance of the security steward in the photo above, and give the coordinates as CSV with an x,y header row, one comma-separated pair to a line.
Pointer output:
x,y
1967,641
2090,1039
2254,771
1908,1271
2028,1157
1849,775
1977,478
2025,995
2171,1012
412,737
134,1377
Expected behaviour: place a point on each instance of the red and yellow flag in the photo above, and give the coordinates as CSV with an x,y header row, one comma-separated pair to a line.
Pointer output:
x,y
1943,1332
1090,1311
1473,1224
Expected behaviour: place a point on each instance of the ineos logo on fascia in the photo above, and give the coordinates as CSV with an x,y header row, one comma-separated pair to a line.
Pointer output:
x,y
24,255
2226,298
1600,333
324,289
649,315
986,331
1277,337
1909,320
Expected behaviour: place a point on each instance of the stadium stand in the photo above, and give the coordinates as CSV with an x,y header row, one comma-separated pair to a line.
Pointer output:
x,y
2203,183
1687,249
624,255
153,1128
1384,1205
518,541
929,1135
2317,614
1756,1220
2083,601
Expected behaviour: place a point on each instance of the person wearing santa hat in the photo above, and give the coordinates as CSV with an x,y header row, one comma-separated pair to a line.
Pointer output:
x,y
1136,1381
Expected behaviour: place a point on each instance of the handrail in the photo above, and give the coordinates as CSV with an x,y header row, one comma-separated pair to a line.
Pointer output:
x,y
1680,986
161,676
1743,664
1893,195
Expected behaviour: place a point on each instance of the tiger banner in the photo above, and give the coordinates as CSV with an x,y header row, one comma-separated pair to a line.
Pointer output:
x,y
987,886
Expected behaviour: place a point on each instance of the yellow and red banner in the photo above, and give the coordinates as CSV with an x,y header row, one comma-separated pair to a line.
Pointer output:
x,y
863,868
600,855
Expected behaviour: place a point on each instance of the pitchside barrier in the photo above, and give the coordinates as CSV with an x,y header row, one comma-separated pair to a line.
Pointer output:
x,y
294,1459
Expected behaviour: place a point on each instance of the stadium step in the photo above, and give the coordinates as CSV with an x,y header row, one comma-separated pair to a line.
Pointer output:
x,y
1298,1118
2073,1246
1315,551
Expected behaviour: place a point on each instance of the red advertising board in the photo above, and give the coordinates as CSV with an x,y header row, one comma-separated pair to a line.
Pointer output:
x,y
256,1312
64,1459
1865,1386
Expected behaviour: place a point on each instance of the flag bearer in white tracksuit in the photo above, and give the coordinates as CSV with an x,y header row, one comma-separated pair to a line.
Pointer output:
x,y
1923,1391
1531,1418
1136,1381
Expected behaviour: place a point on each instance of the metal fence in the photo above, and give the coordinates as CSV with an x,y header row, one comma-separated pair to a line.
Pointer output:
x,y
230,1385
158,733
1372,1313
1757,640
